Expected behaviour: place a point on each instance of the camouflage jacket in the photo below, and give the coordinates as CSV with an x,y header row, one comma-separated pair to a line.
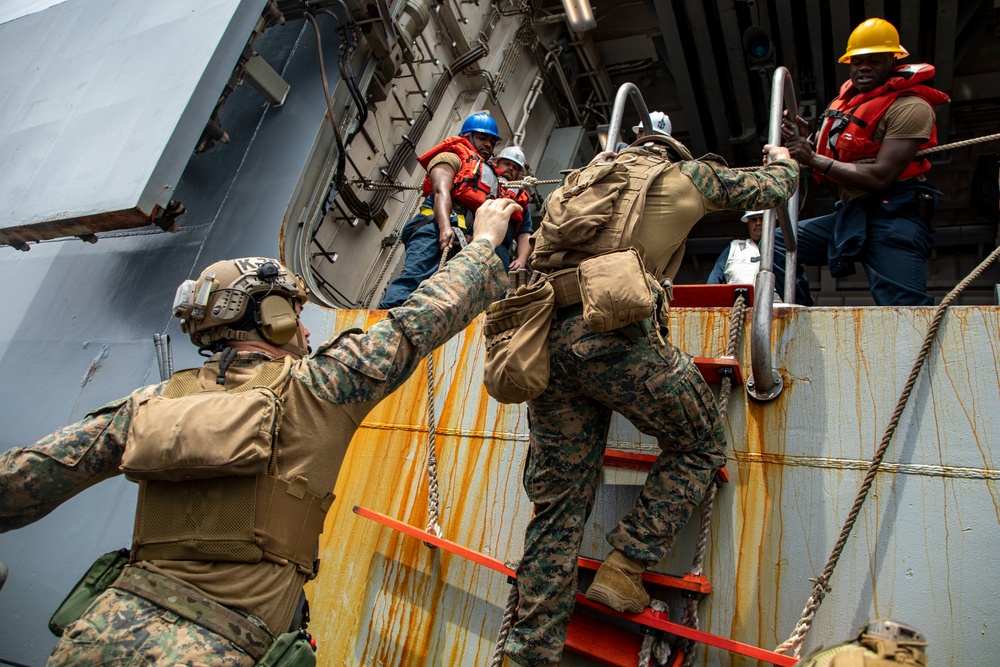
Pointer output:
x,y
330,393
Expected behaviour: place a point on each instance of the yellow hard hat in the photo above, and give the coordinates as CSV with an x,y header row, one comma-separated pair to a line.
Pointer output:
x,y
874,36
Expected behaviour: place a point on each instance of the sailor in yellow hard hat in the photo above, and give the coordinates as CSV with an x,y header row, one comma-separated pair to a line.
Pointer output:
x,y
866,147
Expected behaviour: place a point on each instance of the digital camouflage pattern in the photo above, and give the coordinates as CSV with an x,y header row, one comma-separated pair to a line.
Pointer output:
x,y
658,389
124,629
736,190
346,376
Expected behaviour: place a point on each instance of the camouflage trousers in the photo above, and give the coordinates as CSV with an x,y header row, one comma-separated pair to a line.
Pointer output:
x,y
123,629
658,389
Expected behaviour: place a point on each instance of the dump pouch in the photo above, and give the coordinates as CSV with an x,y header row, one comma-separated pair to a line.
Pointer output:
x,y
291,649
517,344
615,290
98,578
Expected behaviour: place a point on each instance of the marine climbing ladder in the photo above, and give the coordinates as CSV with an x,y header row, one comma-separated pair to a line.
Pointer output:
x,y
608,642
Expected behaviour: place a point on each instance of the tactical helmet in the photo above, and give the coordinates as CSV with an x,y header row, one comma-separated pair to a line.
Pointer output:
x,y
481,122
660,122
514,154
749,214
874,36
253,298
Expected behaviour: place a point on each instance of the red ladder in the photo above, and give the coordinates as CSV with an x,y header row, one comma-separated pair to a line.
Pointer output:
x,y
602,642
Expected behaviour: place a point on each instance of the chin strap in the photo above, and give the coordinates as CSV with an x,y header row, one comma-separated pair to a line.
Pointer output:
x,y
299,347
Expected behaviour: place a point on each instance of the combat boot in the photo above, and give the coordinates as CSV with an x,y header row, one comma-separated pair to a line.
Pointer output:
x,y
618,584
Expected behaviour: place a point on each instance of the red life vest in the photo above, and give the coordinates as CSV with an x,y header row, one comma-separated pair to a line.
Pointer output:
x,y
474,183
850,120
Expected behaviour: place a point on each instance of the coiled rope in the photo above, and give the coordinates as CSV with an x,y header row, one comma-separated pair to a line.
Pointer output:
x,y
821,584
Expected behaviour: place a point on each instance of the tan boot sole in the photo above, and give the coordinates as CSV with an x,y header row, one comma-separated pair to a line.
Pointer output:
x,y
608,597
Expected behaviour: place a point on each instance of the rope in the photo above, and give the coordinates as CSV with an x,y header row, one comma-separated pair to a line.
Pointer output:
x,y
651,647
821,585
530,182
433,513
375,186
690,618
509,613
960,144
942,147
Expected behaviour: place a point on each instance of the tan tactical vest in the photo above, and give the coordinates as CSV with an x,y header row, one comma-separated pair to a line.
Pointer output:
x,y
205,463
596,210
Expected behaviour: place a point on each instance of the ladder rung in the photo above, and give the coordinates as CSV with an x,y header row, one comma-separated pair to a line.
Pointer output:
x,y
708,296
606,644
649,618
619,458
660,621
713,368
689,582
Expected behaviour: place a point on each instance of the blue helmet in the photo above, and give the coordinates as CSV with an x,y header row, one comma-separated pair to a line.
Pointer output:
x,y
481,122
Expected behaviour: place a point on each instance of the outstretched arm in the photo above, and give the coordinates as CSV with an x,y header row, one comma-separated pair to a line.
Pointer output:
x,y
364,367
35,480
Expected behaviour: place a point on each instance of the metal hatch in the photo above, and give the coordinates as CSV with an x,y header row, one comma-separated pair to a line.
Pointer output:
x,y
104,122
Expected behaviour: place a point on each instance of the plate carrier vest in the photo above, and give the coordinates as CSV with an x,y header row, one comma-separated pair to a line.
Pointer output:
x,y
238,519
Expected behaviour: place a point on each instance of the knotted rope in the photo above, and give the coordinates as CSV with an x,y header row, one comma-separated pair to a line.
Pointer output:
x,y
509,614
690,618
821,584
433,501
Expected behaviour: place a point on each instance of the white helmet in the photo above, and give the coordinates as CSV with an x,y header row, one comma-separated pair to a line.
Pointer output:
x,y
514,154
660,121
749,214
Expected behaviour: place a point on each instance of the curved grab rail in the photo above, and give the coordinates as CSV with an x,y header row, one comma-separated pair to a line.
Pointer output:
x,y
625,91
764,383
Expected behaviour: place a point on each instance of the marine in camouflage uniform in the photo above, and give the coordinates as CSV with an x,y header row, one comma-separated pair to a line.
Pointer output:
x,y
650,382
226,613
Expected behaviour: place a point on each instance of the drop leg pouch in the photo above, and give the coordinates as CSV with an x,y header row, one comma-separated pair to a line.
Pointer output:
x,y
98,578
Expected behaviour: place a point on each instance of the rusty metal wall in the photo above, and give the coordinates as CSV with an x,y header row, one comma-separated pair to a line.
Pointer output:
x,y
921,551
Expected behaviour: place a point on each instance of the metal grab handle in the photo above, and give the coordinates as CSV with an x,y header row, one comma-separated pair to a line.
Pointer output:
x,y
764,383
625,91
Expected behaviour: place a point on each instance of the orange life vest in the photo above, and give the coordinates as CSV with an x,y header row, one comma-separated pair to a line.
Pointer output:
x,y
850,121
474,183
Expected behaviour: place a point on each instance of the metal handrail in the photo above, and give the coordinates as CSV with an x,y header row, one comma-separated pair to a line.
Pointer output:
x,y
625,91
764,383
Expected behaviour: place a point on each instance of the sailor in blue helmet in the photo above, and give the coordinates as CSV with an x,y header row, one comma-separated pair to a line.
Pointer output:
x,y
459,179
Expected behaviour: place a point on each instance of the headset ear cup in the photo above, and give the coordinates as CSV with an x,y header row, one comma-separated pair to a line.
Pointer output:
x,y
278,321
